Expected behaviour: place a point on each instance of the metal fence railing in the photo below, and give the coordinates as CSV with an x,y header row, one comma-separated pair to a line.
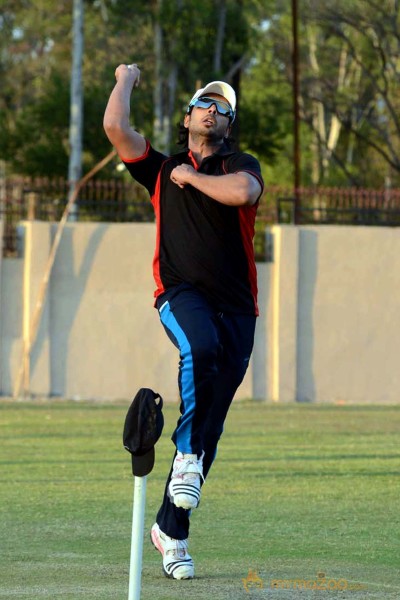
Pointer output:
x,y
121,200
44,199
340,206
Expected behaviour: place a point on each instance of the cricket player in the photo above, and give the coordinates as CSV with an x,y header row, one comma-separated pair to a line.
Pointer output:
x,y
205,201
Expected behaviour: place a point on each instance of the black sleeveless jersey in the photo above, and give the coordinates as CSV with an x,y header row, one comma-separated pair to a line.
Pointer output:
x,y
199,240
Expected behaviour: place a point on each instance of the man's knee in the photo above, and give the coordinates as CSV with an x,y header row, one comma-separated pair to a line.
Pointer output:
x,y
205,352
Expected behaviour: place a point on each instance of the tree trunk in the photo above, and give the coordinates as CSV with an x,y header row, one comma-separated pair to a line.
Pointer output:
x,y
334,130
172,85
158,96
318,116
76,103
219,41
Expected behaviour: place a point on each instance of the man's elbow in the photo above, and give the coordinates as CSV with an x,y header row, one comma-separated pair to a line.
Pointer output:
x,y
248,189
112,127
251,192
119,136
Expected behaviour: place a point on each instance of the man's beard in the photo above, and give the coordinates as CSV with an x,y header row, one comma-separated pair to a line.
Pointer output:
x,y
212,137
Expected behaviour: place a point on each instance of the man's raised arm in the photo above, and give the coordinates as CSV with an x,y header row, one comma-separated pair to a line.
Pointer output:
x,y
128,142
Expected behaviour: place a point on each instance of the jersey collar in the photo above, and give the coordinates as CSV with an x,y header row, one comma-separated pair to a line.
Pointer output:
x,y
223,150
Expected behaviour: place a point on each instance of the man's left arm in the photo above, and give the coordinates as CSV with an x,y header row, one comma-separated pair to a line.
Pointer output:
x,y
233,189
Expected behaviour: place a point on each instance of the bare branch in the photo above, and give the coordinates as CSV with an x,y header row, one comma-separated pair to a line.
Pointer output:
x,y
237,66
382,91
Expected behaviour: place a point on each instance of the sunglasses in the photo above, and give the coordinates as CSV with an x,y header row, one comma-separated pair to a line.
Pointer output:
x,y
205,102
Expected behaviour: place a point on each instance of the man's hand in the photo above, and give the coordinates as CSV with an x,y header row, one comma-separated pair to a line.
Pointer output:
x,y
182,175
129,73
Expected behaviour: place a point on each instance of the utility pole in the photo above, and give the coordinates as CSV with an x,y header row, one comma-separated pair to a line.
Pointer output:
x,y
296,116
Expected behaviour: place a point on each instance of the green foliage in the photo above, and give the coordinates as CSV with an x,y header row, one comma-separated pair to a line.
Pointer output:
x,y
266,110
348,67
36,144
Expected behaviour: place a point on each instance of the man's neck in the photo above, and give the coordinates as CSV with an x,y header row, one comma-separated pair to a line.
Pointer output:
x,y
202,147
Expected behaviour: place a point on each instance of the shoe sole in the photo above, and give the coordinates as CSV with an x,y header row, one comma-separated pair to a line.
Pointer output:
x,y
182,504
168,575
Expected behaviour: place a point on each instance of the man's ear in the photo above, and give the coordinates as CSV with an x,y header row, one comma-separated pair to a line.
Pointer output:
x,y
228,131
186,120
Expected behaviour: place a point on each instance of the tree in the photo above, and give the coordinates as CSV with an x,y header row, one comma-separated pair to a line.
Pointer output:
x,y
185,59
351,89
349,80
35,125
28,55
267,107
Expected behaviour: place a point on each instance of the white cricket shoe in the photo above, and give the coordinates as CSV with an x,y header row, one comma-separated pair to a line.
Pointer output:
x,y
184,487
177,562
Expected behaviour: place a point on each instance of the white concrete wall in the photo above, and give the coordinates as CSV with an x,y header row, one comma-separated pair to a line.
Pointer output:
x,y
349,319
107,340
11,318
328,329
11,322
99,335
344,283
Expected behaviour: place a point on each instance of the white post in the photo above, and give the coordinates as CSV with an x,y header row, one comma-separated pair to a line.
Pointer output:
x,y
135,570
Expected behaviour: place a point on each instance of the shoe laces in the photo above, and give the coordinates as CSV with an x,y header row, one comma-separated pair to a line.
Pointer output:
x,y
175,548
188,466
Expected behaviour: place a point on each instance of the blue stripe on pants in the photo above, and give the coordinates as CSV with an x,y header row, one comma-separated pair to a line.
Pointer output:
x,y
187,388
219,347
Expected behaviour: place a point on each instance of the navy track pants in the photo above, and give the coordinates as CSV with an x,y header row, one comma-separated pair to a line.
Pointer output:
x,y
214,351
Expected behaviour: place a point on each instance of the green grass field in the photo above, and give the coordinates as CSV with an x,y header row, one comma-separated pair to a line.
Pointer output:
x,y
296,491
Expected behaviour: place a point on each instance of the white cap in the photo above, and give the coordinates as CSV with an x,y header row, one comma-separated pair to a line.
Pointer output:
x,y
217,87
